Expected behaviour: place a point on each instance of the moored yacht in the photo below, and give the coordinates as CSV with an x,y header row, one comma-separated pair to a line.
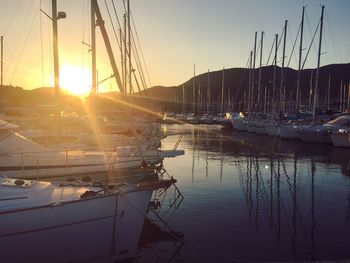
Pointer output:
x,y
22,158
32,212
341,138
321,133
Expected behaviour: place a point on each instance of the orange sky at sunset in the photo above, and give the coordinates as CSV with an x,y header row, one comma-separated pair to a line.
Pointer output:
x,y
173,34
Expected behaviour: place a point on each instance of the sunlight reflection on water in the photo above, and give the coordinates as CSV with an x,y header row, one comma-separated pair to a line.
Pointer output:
x,y
255,198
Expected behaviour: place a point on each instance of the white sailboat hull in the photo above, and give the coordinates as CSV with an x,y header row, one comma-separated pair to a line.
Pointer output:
x,y
288,132
86,228
340,139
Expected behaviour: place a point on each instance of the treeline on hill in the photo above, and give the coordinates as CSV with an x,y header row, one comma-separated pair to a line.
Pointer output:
x,y
195,90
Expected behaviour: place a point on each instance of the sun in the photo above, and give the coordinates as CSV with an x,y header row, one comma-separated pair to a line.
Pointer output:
x,y
75,80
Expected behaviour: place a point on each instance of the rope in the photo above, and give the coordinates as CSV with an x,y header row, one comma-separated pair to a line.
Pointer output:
x,y
312,41
132,37
25,43
295,41
310,31
21,33
332,35
41,49
272,47
12,17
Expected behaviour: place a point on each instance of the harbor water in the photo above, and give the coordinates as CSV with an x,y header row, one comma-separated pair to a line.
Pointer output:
x,y
254,198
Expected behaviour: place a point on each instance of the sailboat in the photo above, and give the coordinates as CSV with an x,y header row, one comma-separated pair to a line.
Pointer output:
x,y
22,158
316,133
57,216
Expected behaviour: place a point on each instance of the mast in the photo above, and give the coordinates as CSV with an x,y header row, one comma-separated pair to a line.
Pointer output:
x,y
311,88
100,23
340,96
222,90
199,101
318,68
125,54
282,67
194,88
253,72
93,51
55,49
297,102
2,60
208,93
329,90
348,104
183,98
129,45
260,64
275,72
250,81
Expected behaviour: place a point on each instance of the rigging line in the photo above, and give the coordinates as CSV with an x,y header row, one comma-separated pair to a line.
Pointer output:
x,y
119,44
110,19
292,54
241,81
41,48
268,58
137,59
25,43
142,55
333,38
136,55
12,17
133,22
21,33
279,42
310,31
116,15
85,12
308,51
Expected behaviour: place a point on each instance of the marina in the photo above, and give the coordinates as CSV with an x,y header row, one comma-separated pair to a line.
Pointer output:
x,y
251,198
246,162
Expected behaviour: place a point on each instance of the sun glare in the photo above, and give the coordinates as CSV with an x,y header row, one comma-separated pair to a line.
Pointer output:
x,y
75,80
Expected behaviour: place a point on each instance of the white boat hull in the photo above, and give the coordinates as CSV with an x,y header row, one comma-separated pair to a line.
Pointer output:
x,y
82,229
315,136
340,139
288,132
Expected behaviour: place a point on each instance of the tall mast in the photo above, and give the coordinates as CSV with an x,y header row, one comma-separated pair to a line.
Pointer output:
x,y
2,60
194,88
199,102
253,72
100,23
274,87
55,49
297,102
93,51
329,90
125,54
183,98
208,93
260,64
282,67
129,45
222,90
250,81
318,68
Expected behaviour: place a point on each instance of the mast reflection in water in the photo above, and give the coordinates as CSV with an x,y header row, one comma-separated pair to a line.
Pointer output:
x,y
251,197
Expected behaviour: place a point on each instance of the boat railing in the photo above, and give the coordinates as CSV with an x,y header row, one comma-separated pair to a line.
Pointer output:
x,y
67,158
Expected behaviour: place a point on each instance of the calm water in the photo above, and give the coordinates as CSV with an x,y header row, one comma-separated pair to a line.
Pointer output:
x,y
251,198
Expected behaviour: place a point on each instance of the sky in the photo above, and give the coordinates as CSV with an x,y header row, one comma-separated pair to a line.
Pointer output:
x,y
173,34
